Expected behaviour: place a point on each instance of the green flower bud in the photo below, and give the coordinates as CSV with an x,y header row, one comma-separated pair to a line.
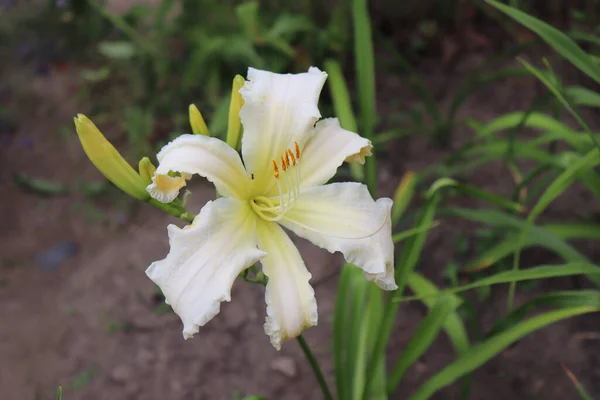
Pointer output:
x,y
234,127
147,170
197,122
108,160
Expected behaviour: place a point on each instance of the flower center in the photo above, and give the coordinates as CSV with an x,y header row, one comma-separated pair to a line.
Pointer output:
x,y
287,178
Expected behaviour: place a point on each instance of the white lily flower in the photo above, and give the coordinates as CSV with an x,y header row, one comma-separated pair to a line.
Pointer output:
x,y
287,161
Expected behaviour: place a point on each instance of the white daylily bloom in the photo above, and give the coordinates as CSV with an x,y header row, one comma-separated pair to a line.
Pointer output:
x,y
287,161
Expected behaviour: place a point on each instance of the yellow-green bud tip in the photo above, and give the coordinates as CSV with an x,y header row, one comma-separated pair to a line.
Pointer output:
x,y
146,169
234,127
108,160
197,122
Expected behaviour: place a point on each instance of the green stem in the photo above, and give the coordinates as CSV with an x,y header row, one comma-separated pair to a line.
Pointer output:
x,y
315,367
173,209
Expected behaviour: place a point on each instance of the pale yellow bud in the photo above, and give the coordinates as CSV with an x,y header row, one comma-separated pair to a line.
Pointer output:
x,y
146,169
197,122
108,160
234,127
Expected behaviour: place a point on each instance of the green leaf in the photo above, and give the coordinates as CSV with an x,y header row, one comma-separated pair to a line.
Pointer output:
x,y
484,351
287,26
540,272
567,299
551,81
365,74
403,195
340,338
590,160
583,96
117,50
340,95
422,339
41,187
365,66
404,267
59,392
535,235
454,326
247,14
343,107
560,42
358,314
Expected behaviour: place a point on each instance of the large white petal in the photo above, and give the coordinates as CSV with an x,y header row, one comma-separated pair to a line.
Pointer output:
x,y
291,304
343,217
278,111
198,154
204,260
328,149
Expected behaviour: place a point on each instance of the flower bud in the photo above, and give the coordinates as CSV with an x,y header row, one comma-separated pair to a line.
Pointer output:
x,y
197,122
108,160
234,127
146,169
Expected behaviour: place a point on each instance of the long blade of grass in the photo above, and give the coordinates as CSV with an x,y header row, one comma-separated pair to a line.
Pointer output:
x,y
422,339
580,389
365,74
340,336
403,195
343,107
560,42
556,188
405,265
540,272
484,351
548,79
583,96
535,235
454,326
567,299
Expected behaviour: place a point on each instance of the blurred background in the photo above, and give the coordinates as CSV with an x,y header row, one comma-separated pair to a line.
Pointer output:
x,y
75,305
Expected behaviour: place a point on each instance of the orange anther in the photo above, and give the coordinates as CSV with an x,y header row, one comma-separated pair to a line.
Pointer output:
x,y
292,156
284,164
275,169
297,150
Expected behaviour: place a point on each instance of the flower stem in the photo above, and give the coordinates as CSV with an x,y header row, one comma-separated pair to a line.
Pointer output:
x,y
315,367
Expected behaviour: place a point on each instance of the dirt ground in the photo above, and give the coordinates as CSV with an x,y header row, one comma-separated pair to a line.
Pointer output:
x,y
92,322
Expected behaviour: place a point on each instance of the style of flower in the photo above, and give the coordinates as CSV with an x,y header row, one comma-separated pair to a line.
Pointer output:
x,y
288,158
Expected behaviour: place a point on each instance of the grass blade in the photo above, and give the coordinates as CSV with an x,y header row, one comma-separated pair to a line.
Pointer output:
x,y
422,339
404,267
566,299
365,74
340,338
540,272
343,107
584,395
454,326
403,195
484,351
560,42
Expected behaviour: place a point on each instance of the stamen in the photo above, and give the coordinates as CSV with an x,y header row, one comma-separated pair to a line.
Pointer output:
x,y
287,157
276,170
292,156
288,187
280,209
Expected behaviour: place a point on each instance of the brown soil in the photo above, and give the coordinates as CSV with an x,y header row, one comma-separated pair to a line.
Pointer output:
x,y
93,323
